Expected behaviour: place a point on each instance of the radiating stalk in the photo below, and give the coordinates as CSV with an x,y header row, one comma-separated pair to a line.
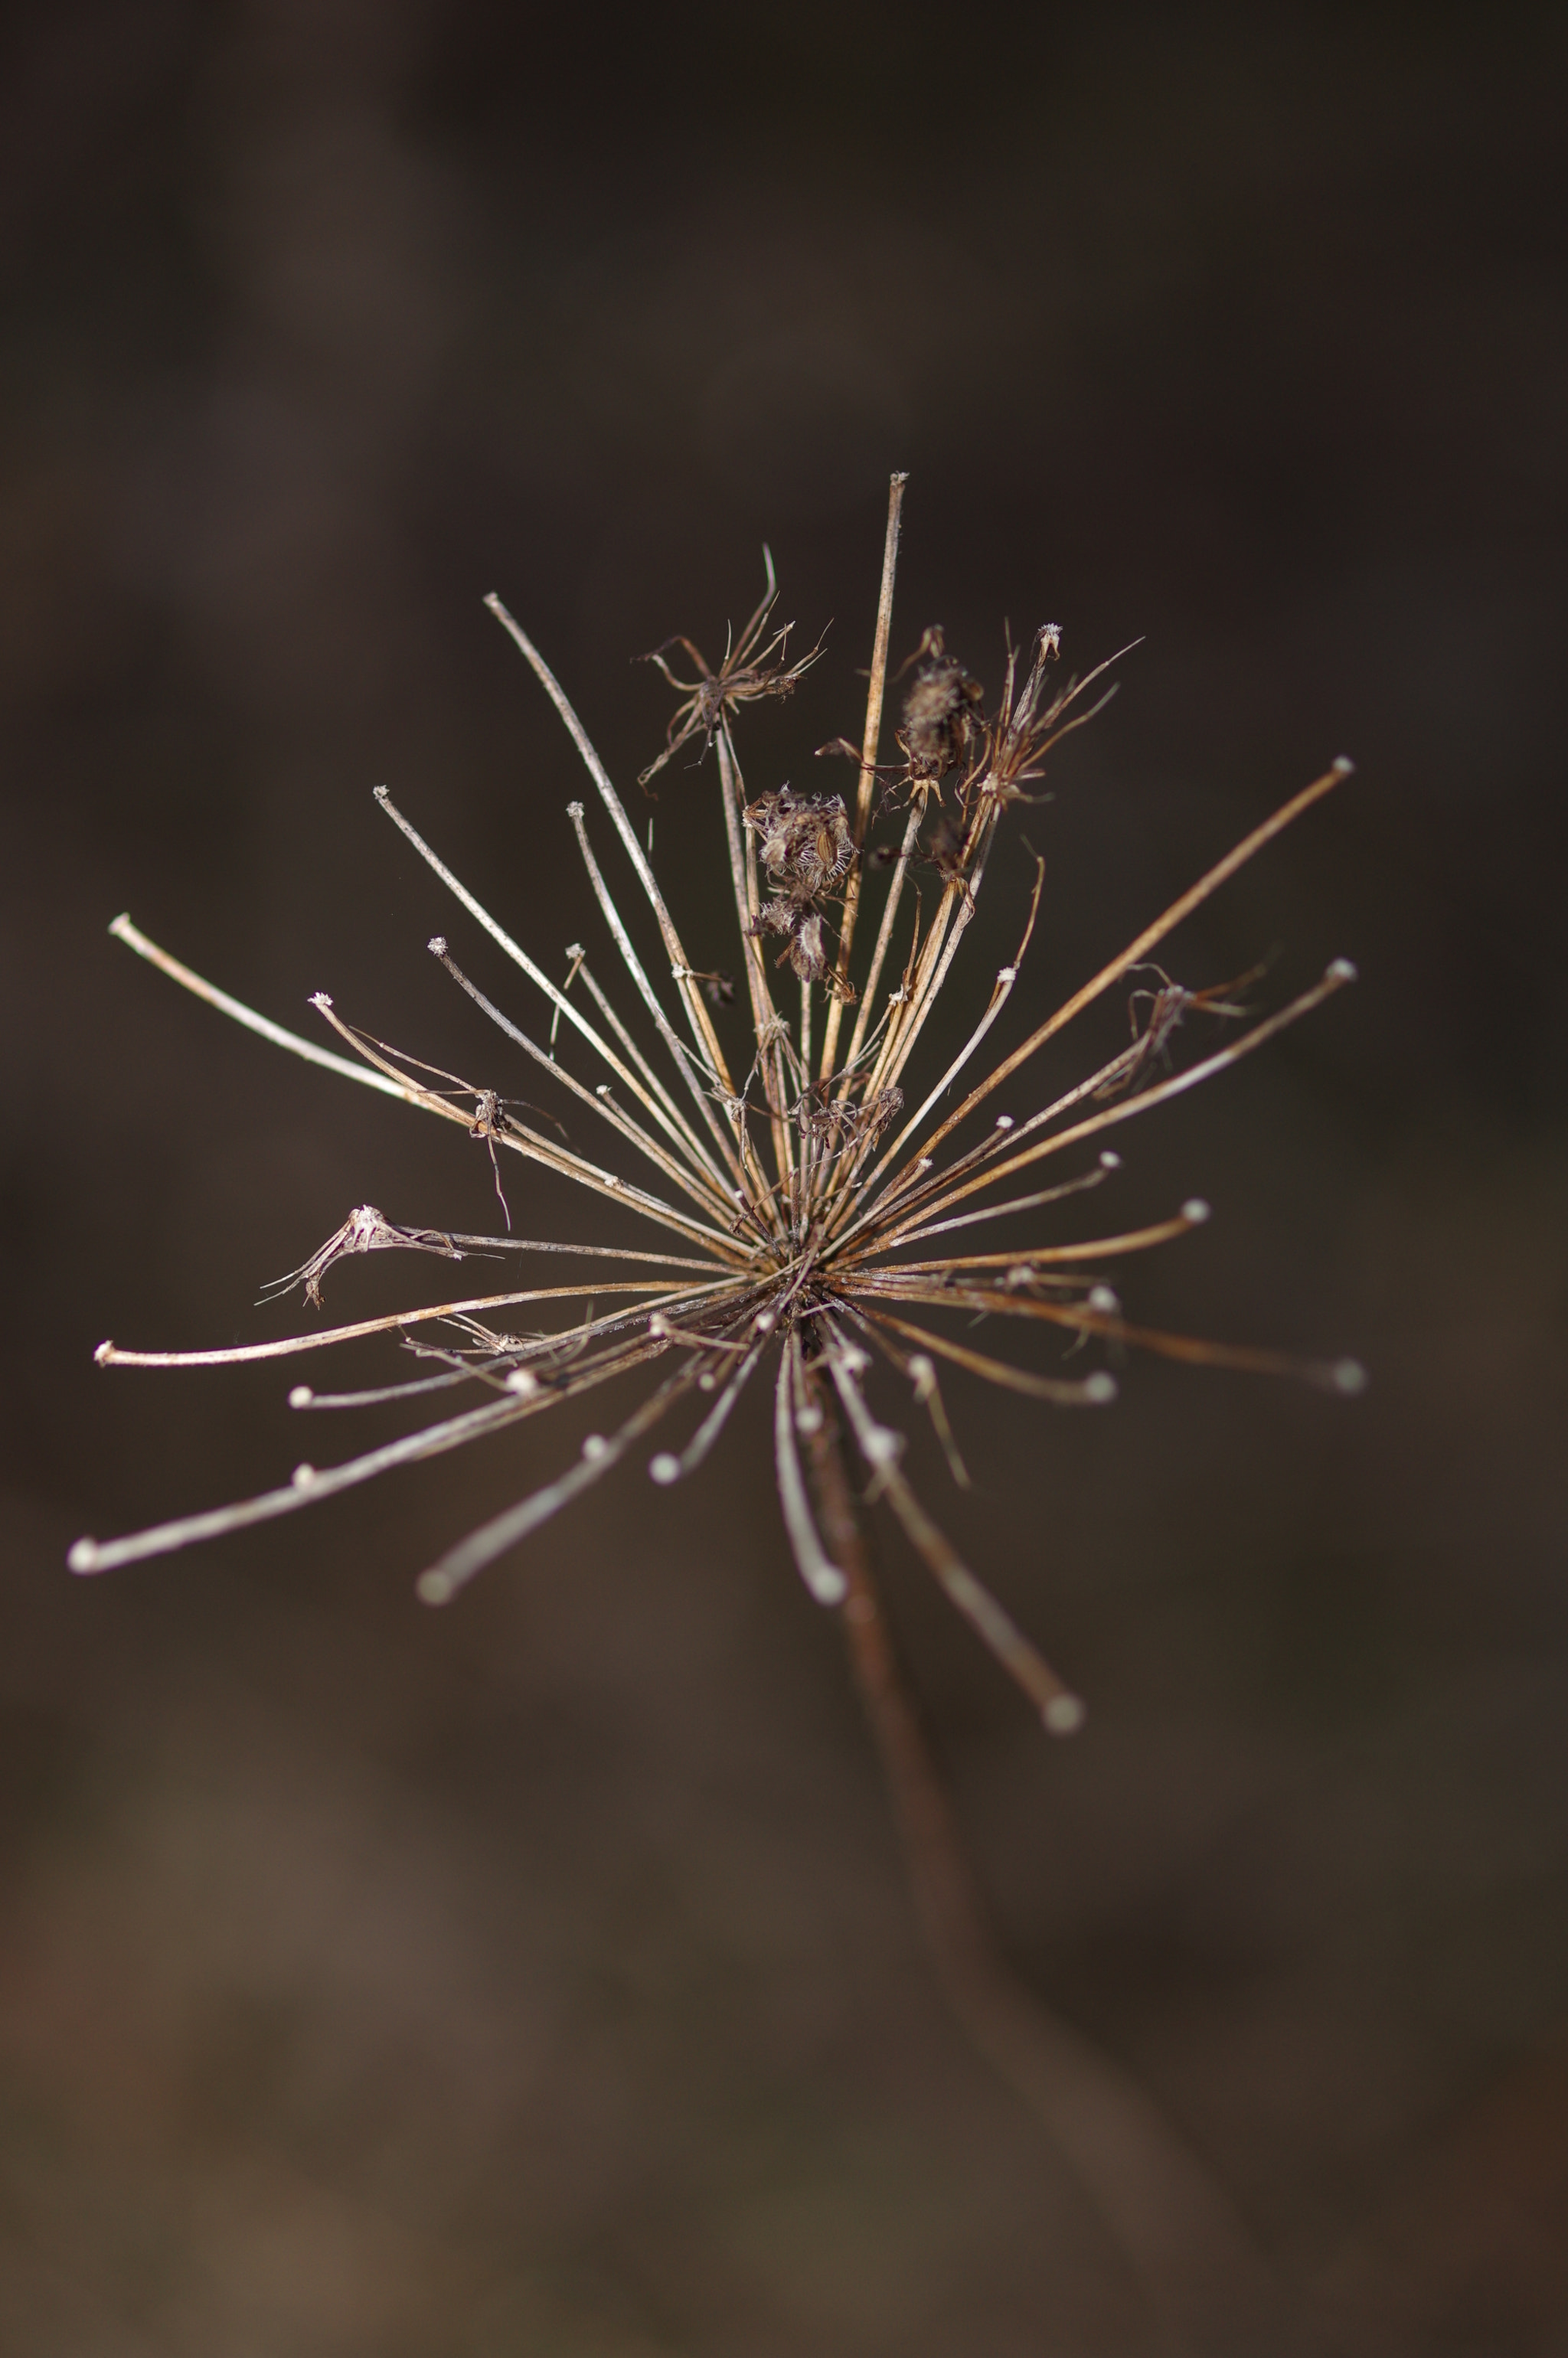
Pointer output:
x,y
1175,2227
744,883
1149,938
679,1052
696,1012
263,1025
869,746
1335,979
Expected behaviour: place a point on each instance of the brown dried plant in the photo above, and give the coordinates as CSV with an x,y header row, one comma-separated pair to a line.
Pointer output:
x,y
792,1190
747,675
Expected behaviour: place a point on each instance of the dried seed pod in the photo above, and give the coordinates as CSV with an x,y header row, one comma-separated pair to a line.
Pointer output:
x,y
747,675
804,840
804,949
942,720
365,1230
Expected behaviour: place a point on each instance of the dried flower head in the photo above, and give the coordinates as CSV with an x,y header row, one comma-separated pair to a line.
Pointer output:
x,y
747,675
943,713
800,1215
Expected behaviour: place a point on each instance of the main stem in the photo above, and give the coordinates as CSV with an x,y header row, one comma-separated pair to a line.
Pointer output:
x,y
1210,2288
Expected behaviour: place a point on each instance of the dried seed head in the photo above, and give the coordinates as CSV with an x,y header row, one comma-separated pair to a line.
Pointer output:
x,y
804,840
941,712
780,1261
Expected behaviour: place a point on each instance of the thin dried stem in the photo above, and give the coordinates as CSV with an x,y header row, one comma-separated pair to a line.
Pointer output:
x,y
520,958
110,1354
742,852
311,1484
692,998
1195,1350
700,1155
666,1468
1335,979
600,1453
1176,2228
958,914
1059,1708
1002,991
869,746
678,1050
1149,938
1096,1390
529,1143
699,1187
884,933
815,1566
134,938
1192,1215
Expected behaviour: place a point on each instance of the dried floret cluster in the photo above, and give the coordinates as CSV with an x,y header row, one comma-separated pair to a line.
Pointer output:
x,y
808,1214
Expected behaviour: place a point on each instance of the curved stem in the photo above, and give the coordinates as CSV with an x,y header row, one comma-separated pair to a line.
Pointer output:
x,y
1210,2288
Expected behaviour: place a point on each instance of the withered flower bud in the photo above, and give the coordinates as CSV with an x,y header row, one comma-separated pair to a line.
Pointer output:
x,y
942,717
804,840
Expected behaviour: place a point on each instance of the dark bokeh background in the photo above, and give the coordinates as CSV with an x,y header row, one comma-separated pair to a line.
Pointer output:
x,y
538,1978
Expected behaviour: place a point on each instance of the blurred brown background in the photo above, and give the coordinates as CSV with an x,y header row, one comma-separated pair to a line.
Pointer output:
x,y
538,1978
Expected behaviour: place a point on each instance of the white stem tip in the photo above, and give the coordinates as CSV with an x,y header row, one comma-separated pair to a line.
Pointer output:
x,y
302,1396
433,1588
1100,1388
103,1354
1064,1715
436,946
1342,970
663,1468
1349,1376
1195,1211
84,1556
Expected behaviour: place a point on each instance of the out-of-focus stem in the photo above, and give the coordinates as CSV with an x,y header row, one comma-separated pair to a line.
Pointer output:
x,y
1210,2291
